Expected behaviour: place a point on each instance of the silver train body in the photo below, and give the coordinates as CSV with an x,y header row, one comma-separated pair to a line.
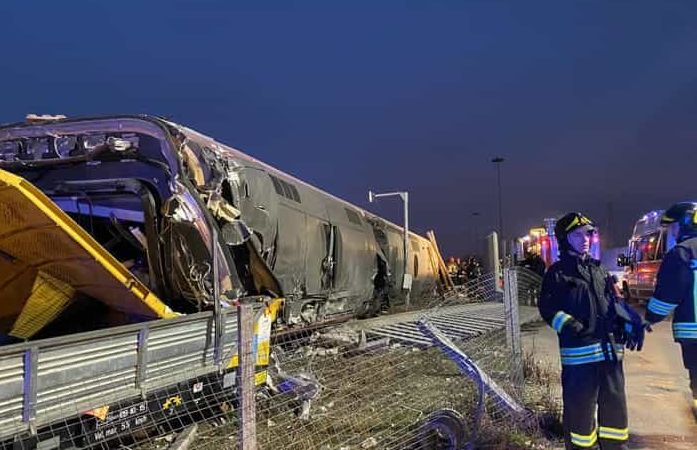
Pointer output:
x,y
164,199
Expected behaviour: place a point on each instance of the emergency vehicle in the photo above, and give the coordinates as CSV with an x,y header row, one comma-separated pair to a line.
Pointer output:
x,y
542,241
536,242
645,251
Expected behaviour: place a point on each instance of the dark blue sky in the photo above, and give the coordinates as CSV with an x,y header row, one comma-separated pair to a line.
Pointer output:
x,y
591,103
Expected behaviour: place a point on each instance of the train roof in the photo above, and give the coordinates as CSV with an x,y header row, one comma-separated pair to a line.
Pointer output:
x,y
225,150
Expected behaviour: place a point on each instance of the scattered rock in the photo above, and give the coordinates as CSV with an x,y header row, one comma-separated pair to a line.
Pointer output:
x,y
369,443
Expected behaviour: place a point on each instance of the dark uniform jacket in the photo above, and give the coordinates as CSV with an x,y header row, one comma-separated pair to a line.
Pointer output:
x,y
574,301
676,291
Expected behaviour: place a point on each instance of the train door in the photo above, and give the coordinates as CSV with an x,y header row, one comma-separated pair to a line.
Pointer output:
x,y
291,242
331,258
321,257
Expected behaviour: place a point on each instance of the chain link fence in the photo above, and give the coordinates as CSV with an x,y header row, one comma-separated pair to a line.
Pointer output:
x,y
449,375
387,383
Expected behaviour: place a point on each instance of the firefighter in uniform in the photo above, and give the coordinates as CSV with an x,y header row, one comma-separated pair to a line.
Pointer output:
x,y
577,300
676,286
452,269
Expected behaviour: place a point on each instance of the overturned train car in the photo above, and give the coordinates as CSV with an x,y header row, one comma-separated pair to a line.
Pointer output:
x,y
162,200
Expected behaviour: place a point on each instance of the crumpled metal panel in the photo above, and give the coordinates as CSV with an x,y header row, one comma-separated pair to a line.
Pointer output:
x,y
290,251
35,233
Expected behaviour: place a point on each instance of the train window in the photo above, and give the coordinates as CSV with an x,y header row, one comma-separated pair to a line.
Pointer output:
x,y
277,185
287,190
416,266
296,194
353,216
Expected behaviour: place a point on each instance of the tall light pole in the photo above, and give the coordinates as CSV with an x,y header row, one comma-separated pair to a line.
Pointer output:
x,y
406,280
498,160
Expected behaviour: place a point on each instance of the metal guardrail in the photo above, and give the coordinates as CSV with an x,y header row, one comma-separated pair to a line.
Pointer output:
x,y
55,379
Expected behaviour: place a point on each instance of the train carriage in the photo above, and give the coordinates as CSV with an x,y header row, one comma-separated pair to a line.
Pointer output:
x,y
164,199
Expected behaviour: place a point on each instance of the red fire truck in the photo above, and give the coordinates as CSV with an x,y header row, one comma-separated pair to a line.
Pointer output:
x,y
542,241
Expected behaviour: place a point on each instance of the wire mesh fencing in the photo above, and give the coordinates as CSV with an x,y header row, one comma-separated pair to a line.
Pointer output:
x,y
445,375
385,383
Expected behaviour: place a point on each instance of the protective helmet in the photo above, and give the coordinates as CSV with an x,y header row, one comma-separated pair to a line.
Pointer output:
x,y
685,214
569,223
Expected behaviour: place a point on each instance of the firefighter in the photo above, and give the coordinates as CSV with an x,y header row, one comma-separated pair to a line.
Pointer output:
x,y
675,286
576,301
452,268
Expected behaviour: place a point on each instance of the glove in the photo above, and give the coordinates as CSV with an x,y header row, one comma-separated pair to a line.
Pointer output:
x,y
573,327
635,327
635,337
622,333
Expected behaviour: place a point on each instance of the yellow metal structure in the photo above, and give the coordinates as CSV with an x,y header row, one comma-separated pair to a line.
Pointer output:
x,y
262,334
46,258
440,270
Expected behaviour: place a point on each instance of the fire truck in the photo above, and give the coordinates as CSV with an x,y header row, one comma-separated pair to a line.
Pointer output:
x,y
541,241
644,255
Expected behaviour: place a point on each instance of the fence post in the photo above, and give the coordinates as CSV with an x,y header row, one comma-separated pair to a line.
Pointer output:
x,y
513,338
245,375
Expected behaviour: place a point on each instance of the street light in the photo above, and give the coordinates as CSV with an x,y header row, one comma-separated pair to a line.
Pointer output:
x,y
498,160
406,283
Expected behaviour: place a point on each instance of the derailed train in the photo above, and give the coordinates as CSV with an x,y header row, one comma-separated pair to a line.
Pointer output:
x,y
162,199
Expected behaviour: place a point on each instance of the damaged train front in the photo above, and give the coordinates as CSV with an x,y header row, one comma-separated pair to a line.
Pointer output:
x,y
117,219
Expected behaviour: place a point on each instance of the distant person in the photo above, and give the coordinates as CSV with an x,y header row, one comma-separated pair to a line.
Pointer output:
x,y
676,289
473,269
452,268
537,264
577,301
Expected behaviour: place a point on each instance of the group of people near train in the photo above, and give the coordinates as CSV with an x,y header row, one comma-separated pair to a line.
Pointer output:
x,y
463,271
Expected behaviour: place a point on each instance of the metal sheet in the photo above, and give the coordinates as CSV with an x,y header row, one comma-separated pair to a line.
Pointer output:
x,y
72,377
37,233
90,370
175,349
11,392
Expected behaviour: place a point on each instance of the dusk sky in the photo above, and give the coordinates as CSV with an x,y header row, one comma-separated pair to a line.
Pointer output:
x,y
592,104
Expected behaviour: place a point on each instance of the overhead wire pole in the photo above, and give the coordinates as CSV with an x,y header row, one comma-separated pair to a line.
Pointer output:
x,y
404,195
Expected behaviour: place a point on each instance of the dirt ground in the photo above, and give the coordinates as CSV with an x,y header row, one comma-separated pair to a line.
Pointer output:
x,y
657,388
